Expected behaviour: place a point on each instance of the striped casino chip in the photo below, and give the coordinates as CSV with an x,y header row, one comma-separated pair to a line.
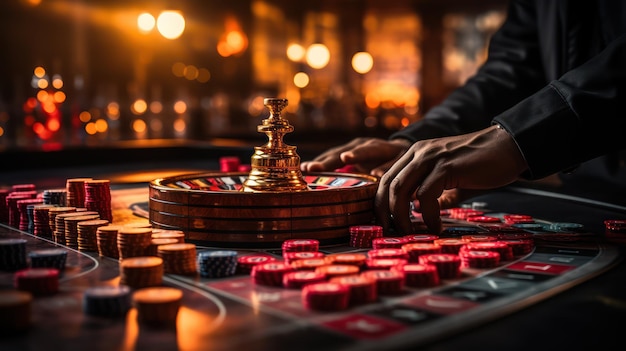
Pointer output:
x,y
362,289
419,275
361,236
355,259
179,258
299,245
217,264
13,255
463,213
388,253
48,258
157,305
98,197
290,257
450,245
448,265
13,209
388,282
337,270
153,249
421,238
133,242
59,228
106,239
483,219
53,212
75,191
141,272
501,247
520,247
271,273
107,301
415,250
299,279
479,237
16,311
179,235
71,228
229,163
247,262
37,281
326,297
24,218
517,219
23,187
57,197
41,221
384,263
388,243
479,259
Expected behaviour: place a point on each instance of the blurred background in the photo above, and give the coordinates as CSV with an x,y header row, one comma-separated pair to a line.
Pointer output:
x,y
93,73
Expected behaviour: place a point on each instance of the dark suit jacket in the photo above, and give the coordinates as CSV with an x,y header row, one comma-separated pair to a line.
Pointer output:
x,y
555,79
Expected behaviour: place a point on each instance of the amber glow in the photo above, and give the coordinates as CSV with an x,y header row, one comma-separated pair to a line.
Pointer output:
x,y
39,72
53,124
295,52
139,126
145,22
171,24
101,126
317,56
301,79
180,125
139,107
362,62
180,107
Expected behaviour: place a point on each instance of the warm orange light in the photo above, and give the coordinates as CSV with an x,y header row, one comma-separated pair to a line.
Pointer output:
x,y
42,83
39,72
295,52
203,75
101,125
301,79
180,125
59,97
191,72
145,22
84,116
178,69
180,107
139,126
317,56
113,110
171,24
53,124
139,107
362,62
57,81
156,107
90,128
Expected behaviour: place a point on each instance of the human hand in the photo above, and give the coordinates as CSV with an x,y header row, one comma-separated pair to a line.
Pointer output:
x,y
485,159
368,155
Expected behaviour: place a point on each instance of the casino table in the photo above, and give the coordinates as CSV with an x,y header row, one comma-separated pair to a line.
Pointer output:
x,y
582,309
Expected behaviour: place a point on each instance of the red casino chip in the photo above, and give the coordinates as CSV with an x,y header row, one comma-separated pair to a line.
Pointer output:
x,y
518,219
463,213
501,247
246,263
478,237
309,264
419,275
299,279
300,245
415,250
290,257
387,253
448,265
388,282
37,281
483,219
361,236
355,259
421,238
388,243
479,259
384,263
362,289
229,163
520,246
326,296
450,245
270,274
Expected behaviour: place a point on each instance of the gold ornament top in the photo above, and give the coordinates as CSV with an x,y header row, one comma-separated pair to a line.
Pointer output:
x,y
275,166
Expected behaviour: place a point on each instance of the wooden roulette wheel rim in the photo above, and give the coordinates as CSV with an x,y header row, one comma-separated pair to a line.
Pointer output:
x,y
211,209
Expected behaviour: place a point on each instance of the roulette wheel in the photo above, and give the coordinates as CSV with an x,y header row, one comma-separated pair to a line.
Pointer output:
x,y
271,203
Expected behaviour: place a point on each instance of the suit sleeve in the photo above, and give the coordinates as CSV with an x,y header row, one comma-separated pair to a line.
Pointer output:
x,y
511,72
580,116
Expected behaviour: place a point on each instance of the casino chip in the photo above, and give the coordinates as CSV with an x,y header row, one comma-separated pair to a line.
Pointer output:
x,y
247,262
37,281
355,259
451,245
388,282
217,264
290,257
13,255
479,259
300,245
419,275
107,301
448,265
326,296
271,273
415,250
361,236
299,279
362,289
48,258
141,272
388,243
157,305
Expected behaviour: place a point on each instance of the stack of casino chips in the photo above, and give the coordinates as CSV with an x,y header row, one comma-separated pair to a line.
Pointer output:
x,y
362,289
479,259
87,234
217,264
270,273
106,240
23,187
421,238
107,301
448,265
59,225
142,271
75,192
71,226
157,305
48,258
309,264
13,254
331,271
16,311
41,221
229,164
98,197
133,242
415,250
520,243
384,263
54,211
326,296
153,249
4,209
388,282
502,248
37,281
179,235
354,258
179,258
388,253
247,262
13,209
450,245
361,236
300,245
290,257
56,197
419,275
24,217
